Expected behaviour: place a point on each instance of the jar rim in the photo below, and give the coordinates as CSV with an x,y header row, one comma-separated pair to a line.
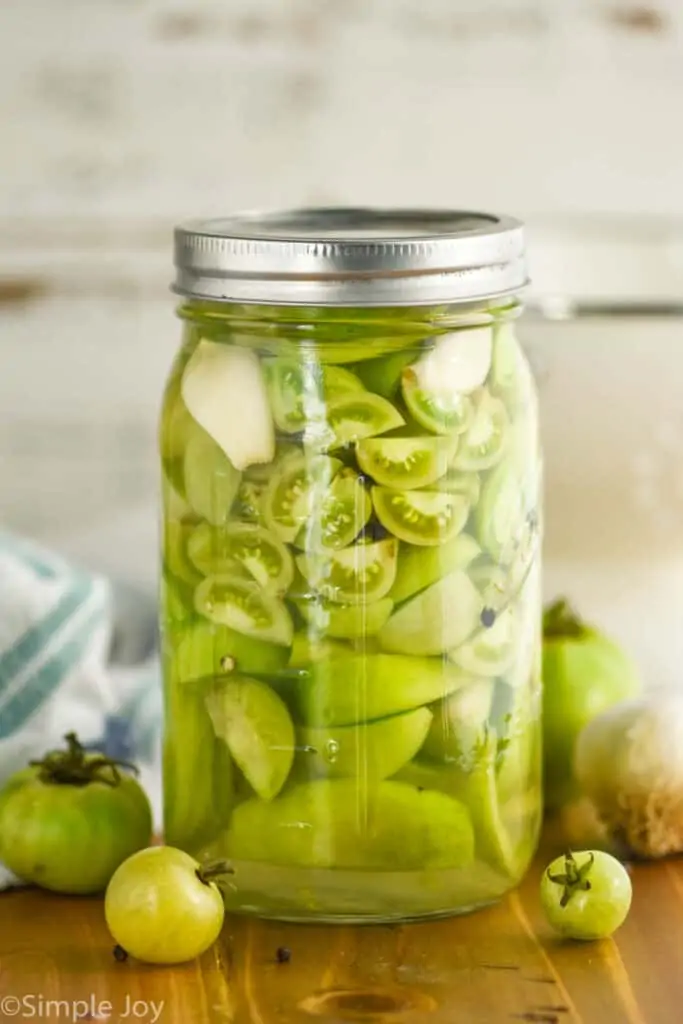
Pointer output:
x,y
351,256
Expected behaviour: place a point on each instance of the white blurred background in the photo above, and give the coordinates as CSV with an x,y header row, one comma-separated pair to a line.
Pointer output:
x,y
121,117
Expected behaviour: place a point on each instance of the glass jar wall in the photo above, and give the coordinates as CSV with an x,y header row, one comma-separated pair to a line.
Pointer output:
x,y
351,605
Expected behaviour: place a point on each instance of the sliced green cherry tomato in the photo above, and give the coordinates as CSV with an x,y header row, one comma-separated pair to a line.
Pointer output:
x,y
411,830
420,517
255,724
373,750
367,687
383,376
206,649
491,651
345,621
358,574
484,443
245,608
406,462
435,620
338,515
358,415
440,414
299,389
418,567
255,550
501,513
294,491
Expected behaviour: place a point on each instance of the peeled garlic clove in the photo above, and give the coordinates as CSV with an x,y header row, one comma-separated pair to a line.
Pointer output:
x,y
629,762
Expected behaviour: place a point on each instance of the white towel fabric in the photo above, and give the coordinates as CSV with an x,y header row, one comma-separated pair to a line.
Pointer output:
x,y
77,654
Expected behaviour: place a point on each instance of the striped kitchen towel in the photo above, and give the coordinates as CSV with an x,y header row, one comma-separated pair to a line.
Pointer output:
x,y
77,654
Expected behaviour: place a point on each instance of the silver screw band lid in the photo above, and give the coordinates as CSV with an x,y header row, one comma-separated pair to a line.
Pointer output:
x,y
351,257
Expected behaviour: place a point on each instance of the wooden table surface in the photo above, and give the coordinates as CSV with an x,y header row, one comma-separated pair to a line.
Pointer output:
x,y
497,966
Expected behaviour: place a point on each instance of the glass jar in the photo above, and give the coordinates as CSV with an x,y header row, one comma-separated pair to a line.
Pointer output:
x,y
351,576
604,332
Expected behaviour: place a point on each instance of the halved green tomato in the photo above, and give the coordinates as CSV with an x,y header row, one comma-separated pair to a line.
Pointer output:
x,y
255,724
365,687
491,650
383,376
338,515
440,414
370,751
211,480
345,621
359,574
405,463
487,435
204,650
318,825
253,548
295,490
437,619
459,722
420,517
501,514
357,415
243,606
418,568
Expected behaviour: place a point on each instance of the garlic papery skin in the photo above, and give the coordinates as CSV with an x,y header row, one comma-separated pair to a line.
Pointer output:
x,y
629,762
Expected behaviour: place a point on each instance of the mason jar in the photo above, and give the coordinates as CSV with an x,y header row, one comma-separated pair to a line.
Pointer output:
x,y
351,597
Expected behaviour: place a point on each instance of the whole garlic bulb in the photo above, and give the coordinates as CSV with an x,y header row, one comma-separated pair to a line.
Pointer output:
x,y
629,762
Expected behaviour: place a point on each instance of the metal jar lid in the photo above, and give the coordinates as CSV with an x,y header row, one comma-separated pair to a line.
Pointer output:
x,y
351,257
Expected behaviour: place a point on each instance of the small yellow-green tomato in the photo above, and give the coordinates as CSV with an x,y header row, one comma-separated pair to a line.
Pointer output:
x,y
161,906
586,895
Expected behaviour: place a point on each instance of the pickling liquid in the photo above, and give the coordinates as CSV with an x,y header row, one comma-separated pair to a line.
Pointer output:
x,y
351,603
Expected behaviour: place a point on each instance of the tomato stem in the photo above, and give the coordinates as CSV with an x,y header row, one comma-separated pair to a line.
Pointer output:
x,y
214,870
574,879
561,620
76,767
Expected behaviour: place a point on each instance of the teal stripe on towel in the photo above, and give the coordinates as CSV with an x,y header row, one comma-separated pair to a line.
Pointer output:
x,y
47,678
16,657
31,555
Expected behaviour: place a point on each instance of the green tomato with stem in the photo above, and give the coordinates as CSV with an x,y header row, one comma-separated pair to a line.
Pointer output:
x,y
69,820
586,895
584,673
163,907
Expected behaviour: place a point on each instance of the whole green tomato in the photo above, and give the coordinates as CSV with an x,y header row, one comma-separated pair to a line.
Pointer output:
x,y
163,907
68,821
584,673
586,895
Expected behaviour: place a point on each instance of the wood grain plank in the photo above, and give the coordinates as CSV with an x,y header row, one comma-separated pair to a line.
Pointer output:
x,y
497,966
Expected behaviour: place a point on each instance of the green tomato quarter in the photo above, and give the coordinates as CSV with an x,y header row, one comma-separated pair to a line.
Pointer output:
x,y
586,895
